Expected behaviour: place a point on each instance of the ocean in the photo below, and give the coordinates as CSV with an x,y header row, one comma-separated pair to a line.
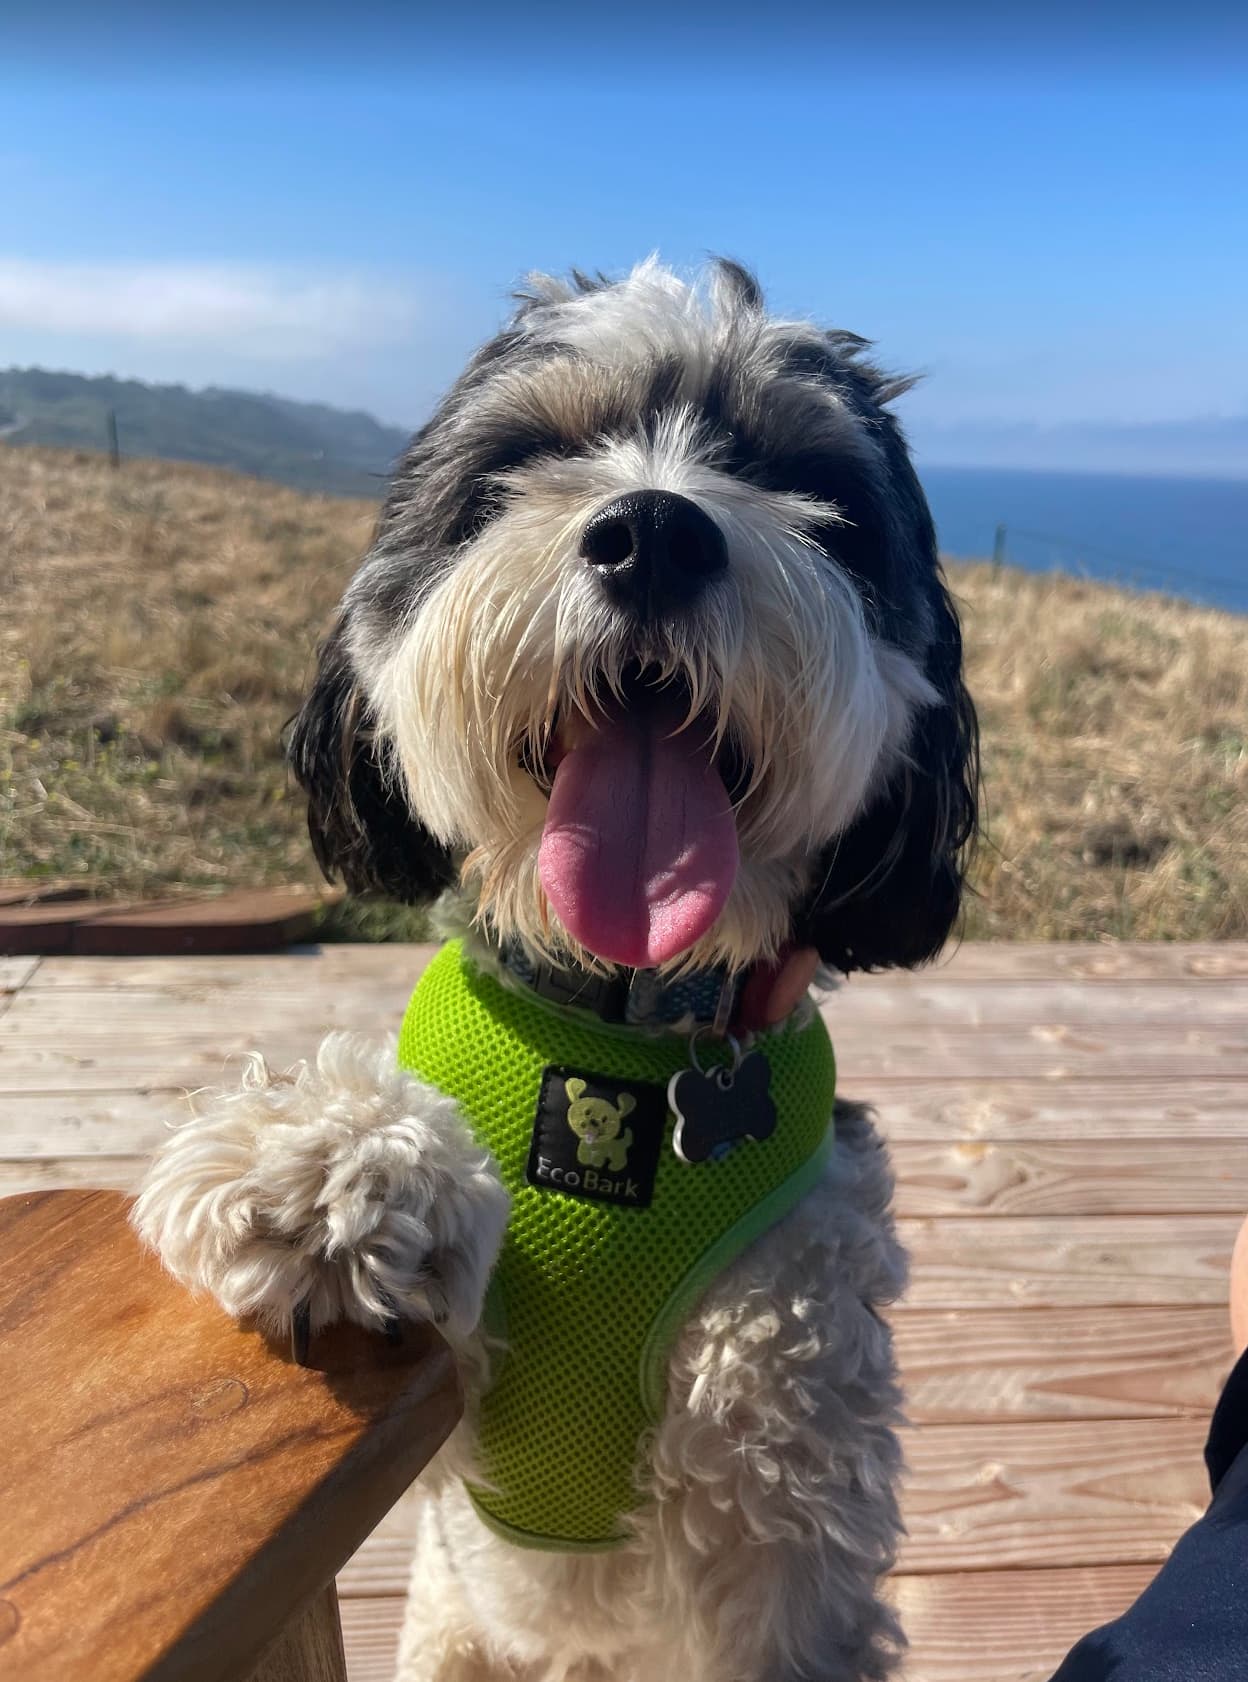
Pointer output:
x,y
1188,537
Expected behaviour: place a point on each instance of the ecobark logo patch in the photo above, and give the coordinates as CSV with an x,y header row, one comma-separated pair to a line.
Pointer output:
x,y
597,1138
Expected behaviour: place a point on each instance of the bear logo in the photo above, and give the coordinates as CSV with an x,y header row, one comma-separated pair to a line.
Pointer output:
x,y
596,1123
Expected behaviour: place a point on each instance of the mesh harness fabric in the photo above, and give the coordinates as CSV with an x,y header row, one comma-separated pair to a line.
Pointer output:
x,y
588,1294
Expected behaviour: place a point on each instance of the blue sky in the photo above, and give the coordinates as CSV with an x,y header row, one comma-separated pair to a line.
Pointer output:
x,y
1044,216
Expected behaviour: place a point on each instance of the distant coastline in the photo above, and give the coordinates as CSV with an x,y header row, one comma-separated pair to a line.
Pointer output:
x,y
1187,536
1182,534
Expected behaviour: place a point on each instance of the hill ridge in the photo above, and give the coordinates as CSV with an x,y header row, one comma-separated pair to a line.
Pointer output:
x,y
309,446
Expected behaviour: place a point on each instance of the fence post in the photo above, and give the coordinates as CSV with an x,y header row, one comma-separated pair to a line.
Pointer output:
x,y
998,549
114,451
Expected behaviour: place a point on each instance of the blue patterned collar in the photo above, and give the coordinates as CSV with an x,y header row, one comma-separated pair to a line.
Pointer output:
x,y
640,998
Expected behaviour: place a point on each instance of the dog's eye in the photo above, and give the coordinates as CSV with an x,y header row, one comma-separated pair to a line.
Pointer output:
x,y
483,503
809,477
858,542
486,495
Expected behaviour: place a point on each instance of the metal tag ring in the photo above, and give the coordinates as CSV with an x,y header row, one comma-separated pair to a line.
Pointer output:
x,y
730,1039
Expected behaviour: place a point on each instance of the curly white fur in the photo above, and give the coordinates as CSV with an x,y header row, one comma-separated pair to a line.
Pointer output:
x,y
772,1514
344,1185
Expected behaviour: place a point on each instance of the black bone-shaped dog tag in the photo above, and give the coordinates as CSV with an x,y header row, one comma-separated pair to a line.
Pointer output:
x,y
717,1108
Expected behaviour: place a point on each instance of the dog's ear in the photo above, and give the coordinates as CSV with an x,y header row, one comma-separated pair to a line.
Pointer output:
x,y
362,829
574,1088
887,892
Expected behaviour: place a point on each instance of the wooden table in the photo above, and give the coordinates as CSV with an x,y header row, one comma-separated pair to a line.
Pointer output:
x,y
176,1493
1070,1130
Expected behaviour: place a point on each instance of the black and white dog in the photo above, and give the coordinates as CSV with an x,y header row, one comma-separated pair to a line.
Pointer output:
x,y
650,671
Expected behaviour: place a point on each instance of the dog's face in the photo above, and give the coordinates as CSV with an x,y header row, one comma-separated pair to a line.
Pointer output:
x,y
596,1120
651,648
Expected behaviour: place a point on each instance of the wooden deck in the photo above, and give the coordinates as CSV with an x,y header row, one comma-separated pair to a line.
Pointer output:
x,y
1070,1132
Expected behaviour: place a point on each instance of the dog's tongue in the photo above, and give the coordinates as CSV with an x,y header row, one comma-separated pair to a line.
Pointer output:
x,y
639,852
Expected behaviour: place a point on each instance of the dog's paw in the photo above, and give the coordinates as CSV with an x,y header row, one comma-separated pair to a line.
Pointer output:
x,y
345,1188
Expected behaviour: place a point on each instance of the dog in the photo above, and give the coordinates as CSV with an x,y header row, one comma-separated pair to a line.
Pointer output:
x,y
651,682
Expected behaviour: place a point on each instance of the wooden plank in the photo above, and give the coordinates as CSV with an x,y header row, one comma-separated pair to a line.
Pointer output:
x,y
92,1173
1143,961
383,1564
1052,1009
1078,1177
26,890
117,1123
51,1127
863,1016
38,1055
861,1045
1073,1492
27,930
16,973
332,966
96,1061
1080,1261
175,1488
259,919
1043,1052
958,1366
281,1003
979,1496
1076,1263
1160,1107
249,920
160,1013
1128,1117
888,1003
983,1626
1196,966
981,1178
370,1635
877,1000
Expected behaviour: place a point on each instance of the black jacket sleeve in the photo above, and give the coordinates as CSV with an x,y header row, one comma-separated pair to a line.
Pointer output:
x,y
1191,1623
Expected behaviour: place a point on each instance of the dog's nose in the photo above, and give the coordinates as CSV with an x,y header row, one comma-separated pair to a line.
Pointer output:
x,y
653,549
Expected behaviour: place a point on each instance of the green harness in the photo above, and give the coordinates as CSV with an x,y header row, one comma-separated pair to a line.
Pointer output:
x,y
612,1238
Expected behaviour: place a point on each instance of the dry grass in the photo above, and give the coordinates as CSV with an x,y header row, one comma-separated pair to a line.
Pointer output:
x,y
158,631
1115,731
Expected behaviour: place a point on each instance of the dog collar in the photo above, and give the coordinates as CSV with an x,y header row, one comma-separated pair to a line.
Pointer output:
x,y
637,998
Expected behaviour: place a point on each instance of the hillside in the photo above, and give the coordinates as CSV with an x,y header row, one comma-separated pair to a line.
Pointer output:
x,y
308,445
159,628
